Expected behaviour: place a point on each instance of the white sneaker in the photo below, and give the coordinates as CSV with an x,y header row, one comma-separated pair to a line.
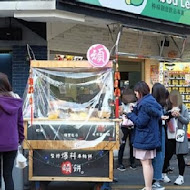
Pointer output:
x,y
157,186
165,178
179,180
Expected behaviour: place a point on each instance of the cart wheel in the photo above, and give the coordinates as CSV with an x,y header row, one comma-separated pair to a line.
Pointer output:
x,y
39,185
106,186
43,185
97,186
33,186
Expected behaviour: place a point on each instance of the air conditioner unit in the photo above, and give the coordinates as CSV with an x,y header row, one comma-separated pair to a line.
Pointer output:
x,y
12,34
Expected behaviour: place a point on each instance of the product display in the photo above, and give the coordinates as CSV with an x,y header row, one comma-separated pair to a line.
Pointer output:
x,y
67,94
176,76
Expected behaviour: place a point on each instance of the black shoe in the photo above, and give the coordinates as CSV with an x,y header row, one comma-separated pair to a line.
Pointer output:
x,y
169,170
121,167
133,166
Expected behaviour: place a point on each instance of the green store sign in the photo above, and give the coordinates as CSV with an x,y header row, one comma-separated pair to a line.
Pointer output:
x,y
177,11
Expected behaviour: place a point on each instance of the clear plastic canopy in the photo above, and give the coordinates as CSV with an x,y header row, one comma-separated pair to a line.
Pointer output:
x,y
72,94
71,104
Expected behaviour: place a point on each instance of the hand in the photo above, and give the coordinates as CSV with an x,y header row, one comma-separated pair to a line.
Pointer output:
x,y
131,108
175,113
164,117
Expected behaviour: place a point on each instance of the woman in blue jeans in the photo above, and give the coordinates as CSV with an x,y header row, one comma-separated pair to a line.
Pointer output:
x,y
11,129
159,93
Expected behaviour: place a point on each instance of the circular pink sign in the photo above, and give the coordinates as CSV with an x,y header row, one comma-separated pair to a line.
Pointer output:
x,y
98,55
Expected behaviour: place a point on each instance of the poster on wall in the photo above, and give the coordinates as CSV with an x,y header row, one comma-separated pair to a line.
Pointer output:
x,y
154,74
174,11
187,79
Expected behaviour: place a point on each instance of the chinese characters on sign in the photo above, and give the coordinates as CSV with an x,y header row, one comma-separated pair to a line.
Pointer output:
x,y
67,167
90,132
167,9
70,156
98,55
67,163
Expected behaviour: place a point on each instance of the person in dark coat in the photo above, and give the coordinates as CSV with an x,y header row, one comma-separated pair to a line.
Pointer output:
x,y
146,116
11,129
128,99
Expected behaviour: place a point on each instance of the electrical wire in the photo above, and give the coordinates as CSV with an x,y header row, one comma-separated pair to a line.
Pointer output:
x,y
29,49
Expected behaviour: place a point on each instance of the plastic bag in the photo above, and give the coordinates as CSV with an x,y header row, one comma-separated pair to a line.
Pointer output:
x,y
172,125
21,161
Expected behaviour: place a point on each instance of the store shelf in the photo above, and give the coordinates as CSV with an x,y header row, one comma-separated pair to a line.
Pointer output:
x,y
185,93
186,101
177,81
178,78
177,85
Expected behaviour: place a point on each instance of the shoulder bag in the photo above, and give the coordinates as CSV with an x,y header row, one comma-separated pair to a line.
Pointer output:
x,y
180,134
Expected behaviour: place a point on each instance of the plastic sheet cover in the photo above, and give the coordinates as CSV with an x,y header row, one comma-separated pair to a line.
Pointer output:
x,y
71,104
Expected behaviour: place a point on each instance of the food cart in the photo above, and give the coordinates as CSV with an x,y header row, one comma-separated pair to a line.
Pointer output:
x,y
69,125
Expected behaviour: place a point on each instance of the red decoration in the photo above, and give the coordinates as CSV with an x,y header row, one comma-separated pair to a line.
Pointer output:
x,y
117,92
31,91
116,83
66,168
30,81
117,75
117,107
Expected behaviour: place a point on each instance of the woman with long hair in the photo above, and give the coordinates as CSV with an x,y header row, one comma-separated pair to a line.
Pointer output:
x,y
178,112
145,116
159,93
11,129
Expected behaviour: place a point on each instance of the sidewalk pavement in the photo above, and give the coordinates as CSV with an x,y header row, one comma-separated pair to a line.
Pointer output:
x,y
128,180
133,179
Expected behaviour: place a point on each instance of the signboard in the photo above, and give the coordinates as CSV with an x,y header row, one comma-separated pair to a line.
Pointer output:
x,y
70,163
91,131
178,67
98,55
177,11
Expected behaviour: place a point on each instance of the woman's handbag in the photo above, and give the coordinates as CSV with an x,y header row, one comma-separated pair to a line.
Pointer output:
x,y
126,122
180,135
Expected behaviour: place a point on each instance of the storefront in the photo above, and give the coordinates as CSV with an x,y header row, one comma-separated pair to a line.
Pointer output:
x,y
151,32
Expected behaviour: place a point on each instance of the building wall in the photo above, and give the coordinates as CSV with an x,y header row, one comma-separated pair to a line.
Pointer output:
x,y
28,36
78,38
20,65
18,49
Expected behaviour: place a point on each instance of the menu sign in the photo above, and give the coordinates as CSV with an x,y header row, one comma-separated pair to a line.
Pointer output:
x,y
71,163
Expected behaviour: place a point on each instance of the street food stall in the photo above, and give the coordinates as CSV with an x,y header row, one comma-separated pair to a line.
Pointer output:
x,y
69,125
